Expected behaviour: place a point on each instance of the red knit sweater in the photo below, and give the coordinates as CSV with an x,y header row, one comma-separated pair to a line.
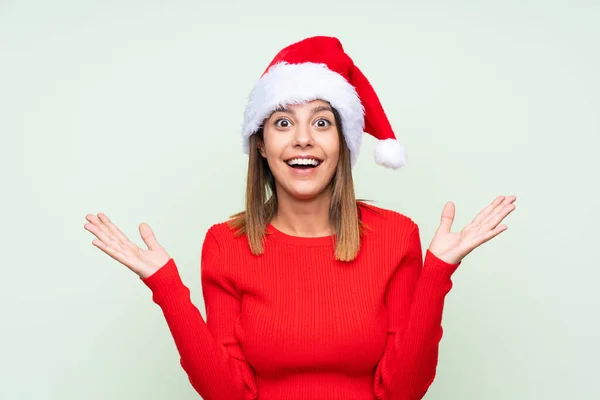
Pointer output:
x,y
295,324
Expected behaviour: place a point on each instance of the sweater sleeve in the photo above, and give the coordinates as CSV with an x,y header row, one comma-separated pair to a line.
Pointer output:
x,y
209,352
415,301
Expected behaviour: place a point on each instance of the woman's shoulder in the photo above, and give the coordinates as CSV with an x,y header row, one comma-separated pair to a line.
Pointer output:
x,y
222,231
384,218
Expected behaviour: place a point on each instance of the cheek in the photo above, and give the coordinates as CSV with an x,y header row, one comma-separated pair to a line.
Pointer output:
x,y
331,146
273,143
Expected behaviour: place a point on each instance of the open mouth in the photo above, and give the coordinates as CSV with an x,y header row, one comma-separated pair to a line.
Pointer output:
x,y
303,163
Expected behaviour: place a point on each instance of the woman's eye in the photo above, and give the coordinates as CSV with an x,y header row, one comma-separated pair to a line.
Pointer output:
x,y
282,123
323,123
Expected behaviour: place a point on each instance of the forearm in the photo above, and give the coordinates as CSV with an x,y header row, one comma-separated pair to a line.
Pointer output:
x,y
414,356
204,360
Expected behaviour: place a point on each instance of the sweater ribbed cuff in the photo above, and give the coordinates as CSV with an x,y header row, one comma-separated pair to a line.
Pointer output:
x,y
164,278
434,267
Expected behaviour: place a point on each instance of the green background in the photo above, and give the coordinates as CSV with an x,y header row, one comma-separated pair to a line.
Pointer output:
x,y
134,108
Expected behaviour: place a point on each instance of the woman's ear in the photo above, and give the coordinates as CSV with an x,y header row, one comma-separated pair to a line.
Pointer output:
x,y
260,145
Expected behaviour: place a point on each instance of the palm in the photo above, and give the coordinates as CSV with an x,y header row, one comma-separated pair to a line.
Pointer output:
x,y
452,247
443,242
114,243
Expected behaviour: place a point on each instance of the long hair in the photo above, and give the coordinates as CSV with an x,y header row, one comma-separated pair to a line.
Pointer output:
x,y
261,201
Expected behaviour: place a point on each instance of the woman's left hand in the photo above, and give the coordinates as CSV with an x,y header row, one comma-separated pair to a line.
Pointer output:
x,y
453,247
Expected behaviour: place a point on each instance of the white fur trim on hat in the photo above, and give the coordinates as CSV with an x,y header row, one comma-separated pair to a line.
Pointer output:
x,y
390,153
287,83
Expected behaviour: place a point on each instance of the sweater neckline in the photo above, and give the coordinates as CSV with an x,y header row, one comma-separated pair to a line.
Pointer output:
x,y
299,240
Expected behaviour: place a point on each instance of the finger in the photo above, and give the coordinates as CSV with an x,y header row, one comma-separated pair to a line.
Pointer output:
x,y
496,217
98,223
115,230
111,251
105,237
148,236
491,234
486,211
447,217
101,226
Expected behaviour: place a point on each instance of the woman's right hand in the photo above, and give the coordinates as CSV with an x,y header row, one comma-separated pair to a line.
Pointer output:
x,y
114,243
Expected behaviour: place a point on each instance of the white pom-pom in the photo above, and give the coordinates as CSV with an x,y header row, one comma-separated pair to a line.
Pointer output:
x,y
390,153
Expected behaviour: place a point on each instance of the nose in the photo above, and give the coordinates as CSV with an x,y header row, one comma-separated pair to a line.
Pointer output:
x,y
303,136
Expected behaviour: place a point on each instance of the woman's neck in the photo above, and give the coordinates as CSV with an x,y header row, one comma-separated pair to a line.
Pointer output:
x,y
306,218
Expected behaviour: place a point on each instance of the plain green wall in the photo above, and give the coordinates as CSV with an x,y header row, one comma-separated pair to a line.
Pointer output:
x,y
133,108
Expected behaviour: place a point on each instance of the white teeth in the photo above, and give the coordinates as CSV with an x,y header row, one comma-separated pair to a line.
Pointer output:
x,y
303,161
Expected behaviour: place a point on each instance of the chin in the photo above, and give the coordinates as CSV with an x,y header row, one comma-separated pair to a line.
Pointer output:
x,y
308,193
304,196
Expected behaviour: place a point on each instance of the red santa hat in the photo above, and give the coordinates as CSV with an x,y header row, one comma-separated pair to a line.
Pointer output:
x,y
318,68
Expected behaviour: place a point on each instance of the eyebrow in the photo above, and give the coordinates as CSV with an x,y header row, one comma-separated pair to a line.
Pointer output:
x,y
312,111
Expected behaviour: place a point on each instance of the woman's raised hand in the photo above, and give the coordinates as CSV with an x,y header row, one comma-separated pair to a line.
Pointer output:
x,y
114,243
452,247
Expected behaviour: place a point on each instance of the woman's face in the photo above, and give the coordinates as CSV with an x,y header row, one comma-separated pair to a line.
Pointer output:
x,y
301,145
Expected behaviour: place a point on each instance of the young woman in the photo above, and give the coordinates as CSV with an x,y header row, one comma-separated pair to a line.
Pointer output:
x,y
309,293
